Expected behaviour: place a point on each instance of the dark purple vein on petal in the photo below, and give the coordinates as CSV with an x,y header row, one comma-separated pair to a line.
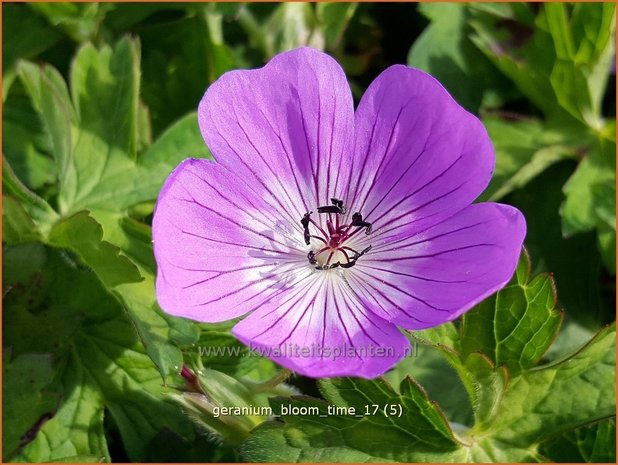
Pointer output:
x,y
384,156
409,275
437,254
412,194
364,283
273,225
218,241
298,292
364,159
275,177
355,298
360,326
310,304
218,274
287,156
234,222
380,232
309,155
287,209
402,247
401,291
236,291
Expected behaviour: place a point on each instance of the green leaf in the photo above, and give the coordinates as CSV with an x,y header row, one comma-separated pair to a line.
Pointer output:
x,y
152,325
522,50
595,443
94,139
432,370
420,433
34,206
105,87
50,98
25,145
24,262
534,408
80,21
333,19
512,418
574,261
516,326
524,149
444,50
83,235
221,351
17,225
181,140
486,385
584,51
26,405
571,337
174,78
560,59
18,18
129,235
289,26
76,427
588,189
479,384
102,367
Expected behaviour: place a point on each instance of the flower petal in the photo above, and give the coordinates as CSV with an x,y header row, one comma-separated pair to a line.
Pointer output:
x,y
419,281
419,156
221,249
320,329
288,125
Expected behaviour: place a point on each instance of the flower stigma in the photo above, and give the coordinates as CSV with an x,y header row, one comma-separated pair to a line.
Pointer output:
x,y
332,251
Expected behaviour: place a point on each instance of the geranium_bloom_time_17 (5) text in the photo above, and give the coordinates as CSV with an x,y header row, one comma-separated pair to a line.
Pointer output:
x,y
330,228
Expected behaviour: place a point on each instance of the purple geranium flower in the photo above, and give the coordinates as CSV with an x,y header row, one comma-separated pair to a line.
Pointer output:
x,y
330,228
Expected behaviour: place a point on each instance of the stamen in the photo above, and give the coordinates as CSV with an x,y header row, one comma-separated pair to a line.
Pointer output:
x,y
319,227
357,220
336,207
339,204
336,236
305,222
318,238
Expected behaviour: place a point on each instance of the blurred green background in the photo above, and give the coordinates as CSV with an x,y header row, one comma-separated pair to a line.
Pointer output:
x,y
85,348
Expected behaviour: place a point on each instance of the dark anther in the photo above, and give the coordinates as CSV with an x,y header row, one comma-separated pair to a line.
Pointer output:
x,y
357,220
336,207
364,251
328,267
349,264
355,257
339,204
334,236
305,222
